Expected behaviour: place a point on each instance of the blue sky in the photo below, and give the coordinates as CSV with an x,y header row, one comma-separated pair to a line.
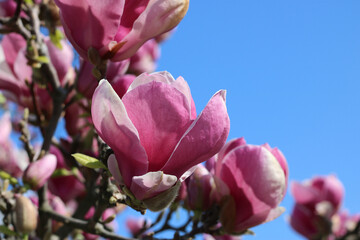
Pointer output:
x,y
291,70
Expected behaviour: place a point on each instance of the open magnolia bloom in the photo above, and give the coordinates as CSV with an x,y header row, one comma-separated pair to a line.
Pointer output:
x,y
317,200
155,134
118,28
257,179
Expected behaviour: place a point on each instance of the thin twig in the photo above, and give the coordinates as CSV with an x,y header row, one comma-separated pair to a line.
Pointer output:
x,y
97,229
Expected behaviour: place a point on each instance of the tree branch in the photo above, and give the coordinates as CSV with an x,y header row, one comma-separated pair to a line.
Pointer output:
x,y
97,229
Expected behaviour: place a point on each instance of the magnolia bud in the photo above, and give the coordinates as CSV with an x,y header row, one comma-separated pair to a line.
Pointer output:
x,y
37,173
25,215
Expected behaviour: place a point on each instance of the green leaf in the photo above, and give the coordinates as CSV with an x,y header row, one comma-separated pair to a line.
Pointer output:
x,y
88,161
2,99
61,172
42,59
29,2
5,175
56,38
7,231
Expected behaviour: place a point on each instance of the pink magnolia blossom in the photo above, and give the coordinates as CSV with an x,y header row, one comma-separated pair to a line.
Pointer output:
x,y
12,160
116,75
15,73
342,222
201,189
317,200
144,60
182,194
118,27
154,132
256,179
38,172
7,8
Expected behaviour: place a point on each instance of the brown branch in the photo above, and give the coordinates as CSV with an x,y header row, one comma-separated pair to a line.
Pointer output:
x,y
25,135
97,229
14,23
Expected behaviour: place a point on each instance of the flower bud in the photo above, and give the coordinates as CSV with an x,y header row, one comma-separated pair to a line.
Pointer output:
x,y
317,200
199,189
25,215
37,173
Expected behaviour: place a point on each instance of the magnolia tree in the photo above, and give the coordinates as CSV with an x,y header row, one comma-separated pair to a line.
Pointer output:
x,y
134,137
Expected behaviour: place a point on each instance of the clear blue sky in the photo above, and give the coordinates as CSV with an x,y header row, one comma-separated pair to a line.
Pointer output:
x,y
292,71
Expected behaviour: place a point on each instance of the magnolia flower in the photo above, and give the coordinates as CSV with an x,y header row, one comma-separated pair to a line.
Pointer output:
x,y
15,72
38,172
155,134
342,222
201,189
26,215
256,179
7,8
12,160
317,200
115,74
117,28
144,60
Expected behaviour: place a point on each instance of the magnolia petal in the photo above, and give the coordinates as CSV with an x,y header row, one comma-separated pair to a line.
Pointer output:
x,y
303,193
165,77
159,16
122,83
22,70
304,221
334,191
161,115
61,58
204,138
132,10
259,218
38,172
181,85
8,81
113,125
90,23
151,184
281,159
114,168
226,149
86,83
5,127
257,172
116,69
12,43
145,78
